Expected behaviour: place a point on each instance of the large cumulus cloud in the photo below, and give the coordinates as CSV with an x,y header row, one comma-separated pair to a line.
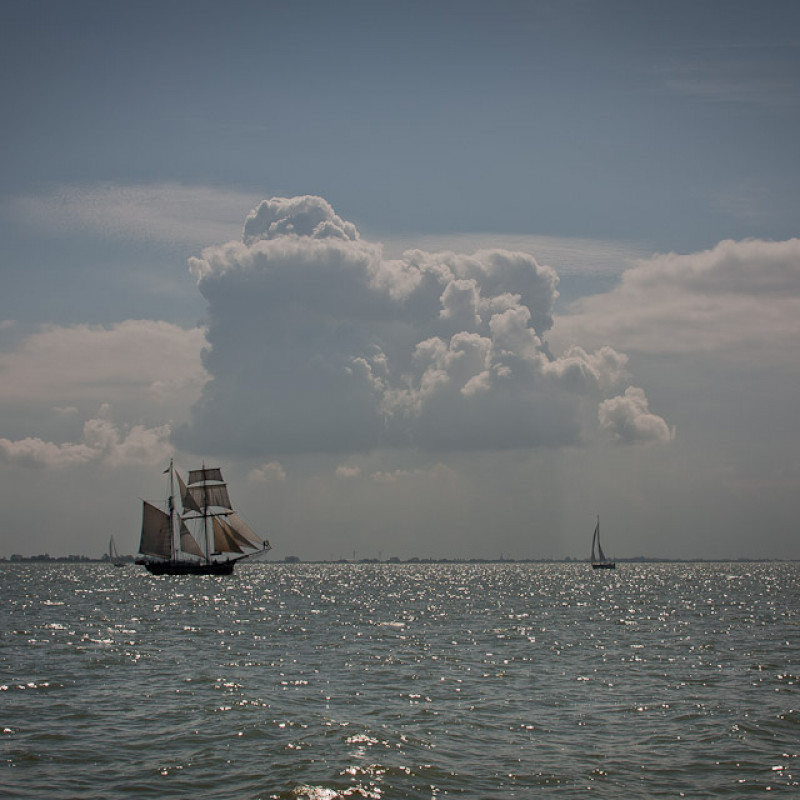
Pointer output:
x,y
316,342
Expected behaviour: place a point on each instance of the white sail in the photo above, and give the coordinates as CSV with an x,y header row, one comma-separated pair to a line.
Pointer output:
x,y
156,532
113,554
599,558
204,474
224,540
205,496
243,530
188,542
600,552
188,501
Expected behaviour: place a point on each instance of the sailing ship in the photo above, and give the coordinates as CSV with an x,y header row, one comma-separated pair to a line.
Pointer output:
x,y
207,537
599,560
113,555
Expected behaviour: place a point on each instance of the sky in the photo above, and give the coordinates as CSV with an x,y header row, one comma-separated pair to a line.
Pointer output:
x,y
435,280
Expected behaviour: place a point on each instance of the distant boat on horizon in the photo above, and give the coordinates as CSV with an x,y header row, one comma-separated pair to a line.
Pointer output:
x,y
113,555
169,547
599,559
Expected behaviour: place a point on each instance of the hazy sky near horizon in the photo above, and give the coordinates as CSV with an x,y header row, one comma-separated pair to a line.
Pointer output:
x,y
424,279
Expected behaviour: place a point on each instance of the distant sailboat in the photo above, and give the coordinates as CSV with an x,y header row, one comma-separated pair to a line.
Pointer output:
x,y
599,560
169,546
113,555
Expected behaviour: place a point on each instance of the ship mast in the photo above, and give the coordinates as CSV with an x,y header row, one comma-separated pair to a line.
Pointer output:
x,y
205,513
171,503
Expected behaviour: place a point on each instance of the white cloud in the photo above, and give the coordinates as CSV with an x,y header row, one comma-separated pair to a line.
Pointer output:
x,y
308,216
149,372
345,471
319,343
739,300
34,452
65,411
135,365
628,419
103,441
569,256
267,473
435,472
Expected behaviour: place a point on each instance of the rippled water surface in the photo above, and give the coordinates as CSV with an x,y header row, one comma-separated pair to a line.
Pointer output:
x,y
400,681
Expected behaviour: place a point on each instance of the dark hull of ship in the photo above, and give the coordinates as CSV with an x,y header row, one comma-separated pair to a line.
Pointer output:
x,y
189,567
604,565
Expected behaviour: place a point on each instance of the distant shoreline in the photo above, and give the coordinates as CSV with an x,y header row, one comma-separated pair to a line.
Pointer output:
x,y
71,559
291,560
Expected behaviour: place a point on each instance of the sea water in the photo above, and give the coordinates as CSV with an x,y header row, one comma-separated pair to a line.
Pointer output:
x,y
325,681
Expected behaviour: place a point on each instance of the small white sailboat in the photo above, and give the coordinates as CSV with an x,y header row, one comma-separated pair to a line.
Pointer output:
x,y
113,555
599,559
